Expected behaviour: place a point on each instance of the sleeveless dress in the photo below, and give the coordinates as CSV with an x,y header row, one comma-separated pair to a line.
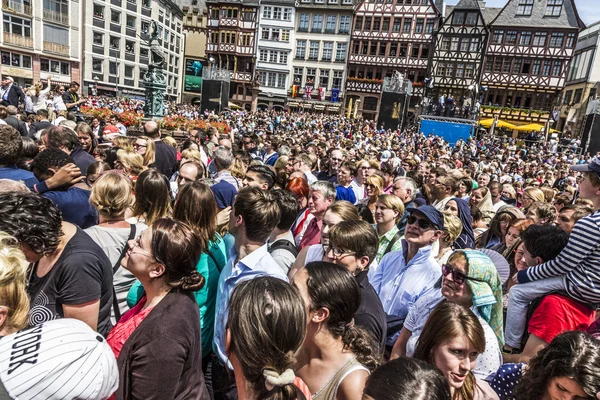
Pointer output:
x,y
330,389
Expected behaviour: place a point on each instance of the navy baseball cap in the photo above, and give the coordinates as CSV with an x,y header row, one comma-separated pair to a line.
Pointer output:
x,y
593,166
431,213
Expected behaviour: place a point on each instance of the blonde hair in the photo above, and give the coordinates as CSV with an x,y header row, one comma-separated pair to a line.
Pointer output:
x,y
112,194
13,281
238,169
452,227
376,181
132,161
510,189
150,154
170,141
191,154
393,203
535,194
122,143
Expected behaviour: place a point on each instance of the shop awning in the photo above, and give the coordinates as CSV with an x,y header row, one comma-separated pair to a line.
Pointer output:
x,y
486,123
532,127
319,107
292,103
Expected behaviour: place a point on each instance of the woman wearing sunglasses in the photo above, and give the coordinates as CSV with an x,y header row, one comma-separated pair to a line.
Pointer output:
x,y
471,280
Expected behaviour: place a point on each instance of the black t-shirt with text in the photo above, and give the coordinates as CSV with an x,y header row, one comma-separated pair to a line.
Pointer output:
x,y
81,274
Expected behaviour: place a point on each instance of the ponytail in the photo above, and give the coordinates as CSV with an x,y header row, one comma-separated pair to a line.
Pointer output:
x,y
361,344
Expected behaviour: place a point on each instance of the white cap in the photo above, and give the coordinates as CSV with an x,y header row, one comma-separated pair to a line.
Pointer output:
x,y
9,78
386,155
59,359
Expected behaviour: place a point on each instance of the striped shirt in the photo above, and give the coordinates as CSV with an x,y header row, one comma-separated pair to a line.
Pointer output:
x,y
579,262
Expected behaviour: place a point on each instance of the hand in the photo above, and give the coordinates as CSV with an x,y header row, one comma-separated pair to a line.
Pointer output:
x,y
69,174
223,217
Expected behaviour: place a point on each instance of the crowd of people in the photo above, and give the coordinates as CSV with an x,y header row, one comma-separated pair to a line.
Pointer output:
x,y
294,256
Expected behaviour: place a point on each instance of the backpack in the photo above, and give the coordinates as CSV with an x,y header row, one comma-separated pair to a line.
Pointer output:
x,y
284,244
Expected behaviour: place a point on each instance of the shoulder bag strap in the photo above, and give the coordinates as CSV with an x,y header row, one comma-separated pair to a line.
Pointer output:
x,y
211,255
391,243
116,268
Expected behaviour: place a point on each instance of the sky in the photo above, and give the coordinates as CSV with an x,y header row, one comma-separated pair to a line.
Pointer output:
x,y
589,10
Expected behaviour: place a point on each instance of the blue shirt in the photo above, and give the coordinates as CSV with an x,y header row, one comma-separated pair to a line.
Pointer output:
x,y
399,285
74,204
345,193
258,263
15,174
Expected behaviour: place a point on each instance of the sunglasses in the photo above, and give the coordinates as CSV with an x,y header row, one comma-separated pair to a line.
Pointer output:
x,y
457,276
423,223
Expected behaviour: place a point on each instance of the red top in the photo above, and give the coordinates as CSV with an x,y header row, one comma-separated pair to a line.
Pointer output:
x,y
312,235
126,325
557,314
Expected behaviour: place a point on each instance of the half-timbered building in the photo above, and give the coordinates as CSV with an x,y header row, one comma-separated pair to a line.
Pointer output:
x,y
459,52
231,34
531,45
388,36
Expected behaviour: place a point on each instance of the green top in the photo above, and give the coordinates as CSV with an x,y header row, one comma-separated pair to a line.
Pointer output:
x,y
205,297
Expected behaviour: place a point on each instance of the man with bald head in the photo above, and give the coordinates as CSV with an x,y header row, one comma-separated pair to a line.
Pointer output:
x,y
166,157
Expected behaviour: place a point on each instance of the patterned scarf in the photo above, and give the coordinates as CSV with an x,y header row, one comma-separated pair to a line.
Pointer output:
x,y
487,290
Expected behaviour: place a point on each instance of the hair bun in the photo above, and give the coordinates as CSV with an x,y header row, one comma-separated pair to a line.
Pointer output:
x,y
194,281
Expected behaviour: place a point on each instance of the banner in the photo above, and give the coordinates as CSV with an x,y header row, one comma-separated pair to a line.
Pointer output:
x,y
192,81
335,95
321,93
295,90
308,92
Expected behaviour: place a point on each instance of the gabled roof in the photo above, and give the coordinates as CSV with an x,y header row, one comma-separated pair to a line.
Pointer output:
x,y
489,13
568,17
467,5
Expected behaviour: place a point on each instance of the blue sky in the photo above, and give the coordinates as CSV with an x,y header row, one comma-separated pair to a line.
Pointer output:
x,y
589,10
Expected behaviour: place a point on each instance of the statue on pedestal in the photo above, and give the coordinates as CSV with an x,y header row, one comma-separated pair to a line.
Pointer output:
x,y
154,79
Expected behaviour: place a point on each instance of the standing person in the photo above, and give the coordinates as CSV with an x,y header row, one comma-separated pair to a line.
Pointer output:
x,y
337,356
405,189
388,211
71,277
145,147
12,93
152,198
452,340
443,191
39,95
300,189
72,100
254,215
157,343
11,147
267,317
336,158
374,186
166,156
322,195
14,300
42,123
66,139
57,101
358,183
227,186
281,241
460,208
345,175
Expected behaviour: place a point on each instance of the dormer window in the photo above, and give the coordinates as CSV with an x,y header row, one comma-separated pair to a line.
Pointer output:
x,y
525,7
554,8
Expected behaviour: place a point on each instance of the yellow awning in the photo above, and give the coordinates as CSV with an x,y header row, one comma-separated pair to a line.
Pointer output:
x,y
486,123
533,127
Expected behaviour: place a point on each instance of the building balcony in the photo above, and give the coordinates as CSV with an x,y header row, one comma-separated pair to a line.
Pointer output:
x,y
56,17
57,48
363,85
515,114
240,76
16,6
18,40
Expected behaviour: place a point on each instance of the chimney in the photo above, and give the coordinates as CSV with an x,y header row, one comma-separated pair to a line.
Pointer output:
x,y
481,4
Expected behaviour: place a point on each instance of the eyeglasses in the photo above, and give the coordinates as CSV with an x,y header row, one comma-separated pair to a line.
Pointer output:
x,y
337,253
245,142
423,223
137,145
136,244
457,276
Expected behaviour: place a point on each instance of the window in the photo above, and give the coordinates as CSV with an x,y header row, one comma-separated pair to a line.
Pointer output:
x,y
470,71
263,55
283,57
454,45
313,52
539,39
498,37
460,70
311,75
474,45
517,64
570,40
98,11
98,39
419,25
471,18
97,65
317,23
300,49
275,33
277,13
424,51
112,68
281,80
273,56
556,39
330,24
429,25
554,8
414,53
267,12
340,52
568,96
265,33
506,66
511,37
327,51
458,18
446,43
55,34
129,47
303,23
373,48
131,21
407,25
115,17
577,96
525,7
285,35
465,43
525,38
17,26
557,68
497,64
396,25
358,24
16,60
324,78
145,27
298,75
336,82
382,48
345,24
367,26
287,14
535,70
376,24
129,70
271,78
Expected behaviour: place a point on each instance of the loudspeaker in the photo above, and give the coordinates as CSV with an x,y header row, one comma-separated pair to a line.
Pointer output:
x,y
391,110
215,95
591,132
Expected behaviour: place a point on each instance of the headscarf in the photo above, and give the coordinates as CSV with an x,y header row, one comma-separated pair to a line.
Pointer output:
x,y
487,290
487,207
466,239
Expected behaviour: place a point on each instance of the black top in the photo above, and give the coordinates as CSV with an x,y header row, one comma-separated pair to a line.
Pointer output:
x,y
68,98
14,96
370,314
165,159
82,274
